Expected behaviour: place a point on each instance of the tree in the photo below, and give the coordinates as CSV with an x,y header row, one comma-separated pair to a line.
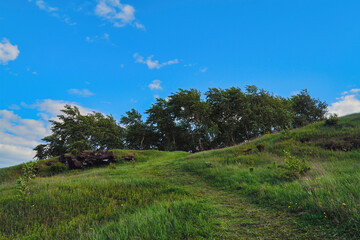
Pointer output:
x,y
190,111
138,134
162,119
73,130
227,112
307,109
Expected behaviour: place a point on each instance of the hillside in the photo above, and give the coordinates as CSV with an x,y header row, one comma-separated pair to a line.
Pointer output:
x,y
257,190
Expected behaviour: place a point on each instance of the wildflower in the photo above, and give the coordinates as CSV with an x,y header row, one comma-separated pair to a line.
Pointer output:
x,y
288,206
344,204
91,228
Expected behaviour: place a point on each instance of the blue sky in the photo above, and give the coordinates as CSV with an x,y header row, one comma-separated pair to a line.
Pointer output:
x,y
112,55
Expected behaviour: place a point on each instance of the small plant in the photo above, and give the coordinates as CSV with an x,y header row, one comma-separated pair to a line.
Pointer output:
x,y
58,168
251,169
260,147
332,120
30,170
294,167
286,133
112,166
74,152
247,150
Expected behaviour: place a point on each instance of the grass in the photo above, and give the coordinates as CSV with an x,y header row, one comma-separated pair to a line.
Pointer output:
x,y
230,193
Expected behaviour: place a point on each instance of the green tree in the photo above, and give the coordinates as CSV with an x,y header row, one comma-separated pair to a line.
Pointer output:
x,y
161,118
73,130
190,111
307,109
138,134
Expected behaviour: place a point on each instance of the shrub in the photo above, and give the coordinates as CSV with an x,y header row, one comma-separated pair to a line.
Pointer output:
x,y
74,151
30,170
332,120
247,150
260,147
58,168
294,167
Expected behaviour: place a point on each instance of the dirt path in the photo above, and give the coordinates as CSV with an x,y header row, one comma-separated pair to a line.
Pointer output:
x,y
236,218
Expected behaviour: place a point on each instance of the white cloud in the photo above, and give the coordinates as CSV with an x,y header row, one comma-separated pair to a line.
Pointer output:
x,y
153,63
12,155
346,104
8,52
203,69
54,107
105,36
355,90
44,6
54,11
117,13
155,85
18,136
79,92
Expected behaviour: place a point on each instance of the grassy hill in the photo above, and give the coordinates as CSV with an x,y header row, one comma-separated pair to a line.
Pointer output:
x,y
258,190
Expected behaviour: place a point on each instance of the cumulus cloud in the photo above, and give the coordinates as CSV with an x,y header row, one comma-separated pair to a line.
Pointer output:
x,y
153,63
52,108
80,92
347,104
8,52
18,136
12,155
117,13
155,85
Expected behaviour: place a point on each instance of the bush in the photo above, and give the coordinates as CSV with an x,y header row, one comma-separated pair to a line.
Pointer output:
x,y
294,167
332,120
30,169
260,147
247,150
58,168
74,151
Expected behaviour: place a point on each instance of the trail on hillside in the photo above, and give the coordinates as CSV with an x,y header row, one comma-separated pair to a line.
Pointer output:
x,y
236,218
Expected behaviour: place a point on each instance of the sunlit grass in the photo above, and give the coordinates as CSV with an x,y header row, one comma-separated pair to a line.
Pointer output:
x,y
178,195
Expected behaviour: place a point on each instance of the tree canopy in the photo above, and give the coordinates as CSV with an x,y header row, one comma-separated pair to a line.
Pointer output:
x,y
184,121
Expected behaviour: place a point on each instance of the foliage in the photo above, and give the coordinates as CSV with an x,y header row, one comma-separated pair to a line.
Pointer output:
x,y
260,147
82,132
219,194
184,121
74,152
138,135
307,109
332,120
57,168
29,173
294,167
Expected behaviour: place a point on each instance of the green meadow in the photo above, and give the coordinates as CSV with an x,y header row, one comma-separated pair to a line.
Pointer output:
x,y
286,185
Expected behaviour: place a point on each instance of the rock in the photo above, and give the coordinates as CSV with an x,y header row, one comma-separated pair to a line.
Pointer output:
x,y
88,159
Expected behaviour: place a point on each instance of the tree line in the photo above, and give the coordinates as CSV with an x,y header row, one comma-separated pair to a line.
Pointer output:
x,y
184,121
